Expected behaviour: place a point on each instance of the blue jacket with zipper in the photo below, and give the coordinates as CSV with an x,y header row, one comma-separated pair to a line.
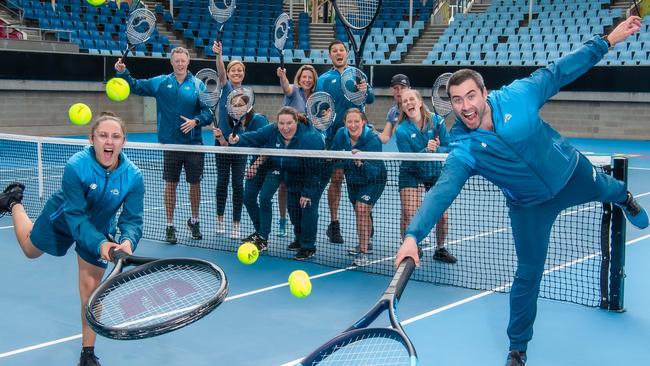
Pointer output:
x,y
90,197
524,156
174,100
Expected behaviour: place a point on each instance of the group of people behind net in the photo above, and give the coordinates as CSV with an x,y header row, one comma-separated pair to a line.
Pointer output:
x,y
299,182
551,175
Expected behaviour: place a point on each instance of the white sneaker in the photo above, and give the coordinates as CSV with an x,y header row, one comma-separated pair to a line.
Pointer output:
x,y
221,227
235,234
361,260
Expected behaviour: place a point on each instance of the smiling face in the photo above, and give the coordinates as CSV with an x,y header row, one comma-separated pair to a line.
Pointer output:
x,y
412,104
179,62
287,125
469,102
236,73
338,55
108,139
354,122
306,79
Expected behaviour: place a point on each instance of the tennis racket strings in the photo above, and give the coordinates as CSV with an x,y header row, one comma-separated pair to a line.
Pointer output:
x,y
320,110
440,96
140,26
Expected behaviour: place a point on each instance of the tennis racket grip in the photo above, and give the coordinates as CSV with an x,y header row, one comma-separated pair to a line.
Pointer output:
x,y
402,276
116,255
282,60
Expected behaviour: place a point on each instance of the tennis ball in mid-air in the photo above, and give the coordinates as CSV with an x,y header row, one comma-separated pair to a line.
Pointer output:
x,y
247,253
80,114
117,89
95,2
300,286
297,273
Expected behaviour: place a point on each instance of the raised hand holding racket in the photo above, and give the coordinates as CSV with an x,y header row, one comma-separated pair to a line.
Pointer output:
x,y
440,96
156,297
280,34
355,86
221,13
239,103
360,345
357,15
320,110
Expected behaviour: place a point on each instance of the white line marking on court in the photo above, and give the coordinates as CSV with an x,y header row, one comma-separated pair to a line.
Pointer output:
x,y
485,293
405,322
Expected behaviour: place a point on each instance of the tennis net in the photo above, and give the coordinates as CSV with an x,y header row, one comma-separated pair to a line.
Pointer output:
x,y
578,267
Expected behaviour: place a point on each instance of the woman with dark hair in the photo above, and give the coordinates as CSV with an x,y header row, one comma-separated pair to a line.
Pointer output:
x,y
303,177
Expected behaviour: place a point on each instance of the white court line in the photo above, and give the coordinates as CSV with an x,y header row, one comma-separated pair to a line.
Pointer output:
x,y
407,321
485,293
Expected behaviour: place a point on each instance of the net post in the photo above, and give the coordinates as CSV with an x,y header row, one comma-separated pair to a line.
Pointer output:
x,y
41,183
617,271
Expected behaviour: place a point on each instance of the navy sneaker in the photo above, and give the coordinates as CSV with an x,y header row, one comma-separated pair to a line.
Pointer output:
x,y
294,245
12,195
88,359
195,229
334,232
170,235
634,213
304,253
516,358
443,255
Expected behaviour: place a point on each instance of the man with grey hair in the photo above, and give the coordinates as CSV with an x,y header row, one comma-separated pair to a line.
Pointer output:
x,y
180,116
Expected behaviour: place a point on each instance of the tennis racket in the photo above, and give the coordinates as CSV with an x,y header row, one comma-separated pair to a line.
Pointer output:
x,y
139,26
350,80
221,14
210,90
440,96
156,297
320,110
280,34
360,345
239,103
357,15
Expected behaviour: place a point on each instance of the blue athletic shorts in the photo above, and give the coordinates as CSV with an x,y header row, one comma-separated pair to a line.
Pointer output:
x,y
407,180
365,193
47,237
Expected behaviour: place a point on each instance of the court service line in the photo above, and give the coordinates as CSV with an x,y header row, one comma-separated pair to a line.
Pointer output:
x,y
486,293
407,321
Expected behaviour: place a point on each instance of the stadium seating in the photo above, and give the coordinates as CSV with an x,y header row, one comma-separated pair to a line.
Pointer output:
x,y
557,27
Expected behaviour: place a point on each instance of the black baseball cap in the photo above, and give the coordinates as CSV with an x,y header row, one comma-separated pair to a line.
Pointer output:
x,y
400,79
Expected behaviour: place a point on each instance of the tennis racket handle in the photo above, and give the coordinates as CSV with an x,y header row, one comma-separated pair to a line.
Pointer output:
x,y
402,275
116,255
282,60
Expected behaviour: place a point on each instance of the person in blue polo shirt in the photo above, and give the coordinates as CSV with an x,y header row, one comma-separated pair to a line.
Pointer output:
x,y
302,175
180,117
366,179
501,136
330,82
98,182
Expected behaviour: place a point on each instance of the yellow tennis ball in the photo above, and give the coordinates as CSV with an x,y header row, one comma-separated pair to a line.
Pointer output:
x,y
247,253
300,286
117,89
95,2
80,114
297,273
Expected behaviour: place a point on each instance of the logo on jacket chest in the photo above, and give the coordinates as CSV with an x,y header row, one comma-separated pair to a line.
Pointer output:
x,y
93,186
507,117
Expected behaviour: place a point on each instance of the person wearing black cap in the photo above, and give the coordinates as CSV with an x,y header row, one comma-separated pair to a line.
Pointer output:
x,y
398,83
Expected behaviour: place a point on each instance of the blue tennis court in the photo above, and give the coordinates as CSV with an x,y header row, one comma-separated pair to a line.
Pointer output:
x,y
262,324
